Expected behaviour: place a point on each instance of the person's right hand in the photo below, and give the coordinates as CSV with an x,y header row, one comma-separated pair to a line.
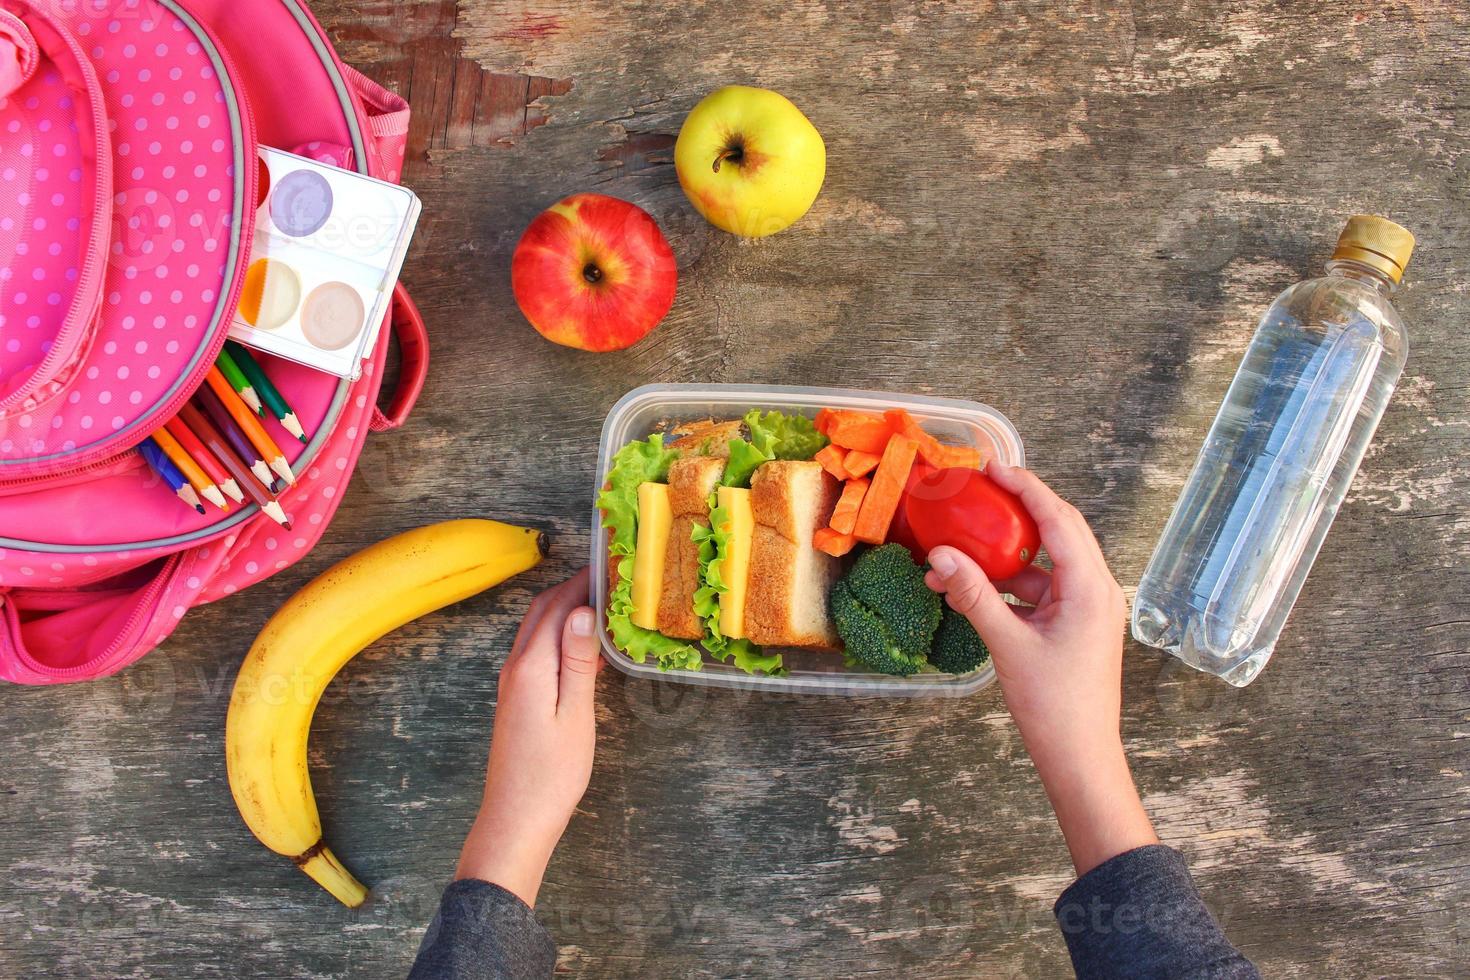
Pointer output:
x,y
542,745
1059,662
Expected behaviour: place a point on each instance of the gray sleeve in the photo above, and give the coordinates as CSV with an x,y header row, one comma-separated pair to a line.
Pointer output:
x,y
483,932
1139,915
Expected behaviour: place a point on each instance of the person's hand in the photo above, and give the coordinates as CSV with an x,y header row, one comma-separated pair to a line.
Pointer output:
x,y
1060,659
542,743
1059,662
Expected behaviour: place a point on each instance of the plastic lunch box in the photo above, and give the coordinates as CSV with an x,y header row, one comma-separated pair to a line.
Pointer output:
x,y
655,408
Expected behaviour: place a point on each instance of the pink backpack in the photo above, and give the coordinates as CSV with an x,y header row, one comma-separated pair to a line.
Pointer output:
x,y
128,134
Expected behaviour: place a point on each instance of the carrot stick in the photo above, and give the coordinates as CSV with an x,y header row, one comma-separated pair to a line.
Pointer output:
x,y
845,514
886,490
831,458
931,450
833,542
965,457
859,430
859,463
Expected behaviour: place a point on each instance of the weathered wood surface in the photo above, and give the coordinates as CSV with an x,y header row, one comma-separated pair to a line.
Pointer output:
x,y
1071,211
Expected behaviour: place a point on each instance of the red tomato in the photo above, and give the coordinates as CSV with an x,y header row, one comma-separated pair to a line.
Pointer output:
x,y
966,509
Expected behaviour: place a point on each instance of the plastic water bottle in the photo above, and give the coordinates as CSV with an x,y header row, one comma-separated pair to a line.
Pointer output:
x,y
1278,460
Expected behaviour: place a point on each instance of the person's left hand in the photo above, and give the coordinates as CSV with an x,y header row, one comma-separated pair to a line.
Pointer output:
x,y
542,743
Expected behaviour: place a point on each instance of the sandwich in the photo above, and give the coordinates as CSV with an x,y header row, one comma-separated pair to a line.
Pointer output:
x,y
711,544
693,481
788,579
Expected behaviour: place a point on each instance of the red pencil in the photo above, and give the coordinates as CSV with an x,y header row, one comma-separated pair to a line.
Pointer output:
x,y
212,438
206,459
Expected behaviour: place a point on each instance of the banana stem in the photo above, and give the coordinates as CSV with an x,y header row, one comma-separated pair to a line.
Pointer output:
x,y
322,865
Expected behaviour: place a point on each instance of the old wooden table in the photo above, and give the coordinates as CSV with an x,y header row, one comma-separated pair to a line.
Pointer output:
x,y
1073,211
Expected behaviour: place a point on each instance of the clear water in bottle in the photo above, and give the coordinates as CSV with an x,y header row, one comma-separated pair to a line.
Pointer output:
x,y
1278,461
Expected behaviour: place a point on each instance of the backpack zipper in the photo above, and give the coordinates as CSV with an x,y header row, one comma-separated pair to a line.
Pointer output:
x,y
121,462
96,250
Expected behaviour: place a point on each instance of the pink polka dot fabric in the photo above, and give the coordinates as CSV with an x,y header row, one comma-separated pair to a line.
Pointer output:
x,y
122,195
81,380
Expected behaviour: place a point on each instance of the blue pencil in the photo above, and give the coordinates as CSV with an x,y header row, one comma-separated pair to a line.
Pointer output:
x,y
169,473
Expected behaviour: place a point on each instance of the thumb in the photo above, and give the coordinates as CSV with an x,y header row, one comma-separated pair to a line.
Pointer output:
x,y
580,661
970,593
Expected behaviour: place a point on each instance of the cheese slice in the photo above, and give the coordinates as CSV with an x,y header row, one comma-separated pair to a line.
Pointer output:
x,y
654,519
735,569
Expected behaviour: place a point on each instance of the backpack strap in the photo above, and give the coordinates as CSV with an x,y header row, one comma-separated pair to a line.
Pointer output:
x,y
413,344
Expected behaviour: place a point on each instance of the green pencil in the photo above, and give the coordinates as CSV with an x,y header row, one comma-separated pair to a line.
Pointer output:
x,y
268,392
231,370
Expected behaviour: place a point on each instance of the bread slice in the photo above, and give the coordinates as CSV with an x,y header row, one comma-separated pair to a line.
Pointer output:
x,y
691,481
707,438
790,579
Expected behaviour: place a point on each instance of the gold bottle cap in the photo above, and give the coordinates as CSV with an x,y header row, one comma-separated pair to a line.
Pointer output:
x,y
1376,242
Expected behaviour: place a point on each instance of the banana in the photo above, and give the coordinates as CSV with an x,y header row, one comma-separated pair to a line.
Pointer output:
x,y
312,636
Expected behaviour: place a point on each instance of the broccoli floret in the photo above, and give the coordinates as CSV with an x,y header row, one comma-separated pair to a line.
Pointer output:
x,y
957,648
886,580
884,612
867,639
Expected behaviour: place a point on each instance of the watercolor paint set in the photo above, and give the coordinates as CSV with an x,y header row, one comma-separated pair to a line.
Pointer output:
x,y
329,244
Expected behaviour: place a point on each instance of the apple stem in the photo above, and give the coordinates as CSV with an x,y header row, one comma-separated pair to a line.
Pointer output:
x,y
734,153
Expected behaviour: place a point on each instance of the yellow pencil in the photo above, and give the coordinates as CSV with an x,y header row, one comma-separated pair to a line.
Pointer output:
x,y
192,471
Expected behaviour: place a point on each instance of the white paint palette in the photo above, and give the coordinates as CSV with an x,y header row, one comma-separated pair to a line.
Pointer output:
x,y
329,244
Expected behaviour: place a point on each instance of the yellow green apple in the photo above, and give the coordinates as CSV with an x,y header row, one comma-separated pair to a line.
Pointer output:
x,y
749,160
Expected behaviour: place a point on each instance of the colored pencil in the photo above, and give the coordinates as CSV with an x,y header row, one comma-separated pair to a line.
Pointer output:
x,y
215,409
269,393
254,431
169,473
191,469
204,458
222,450
230,368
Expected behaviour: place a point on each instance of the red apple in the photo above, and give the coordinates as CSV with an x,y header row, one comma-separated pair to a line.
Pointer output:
x,y
593,272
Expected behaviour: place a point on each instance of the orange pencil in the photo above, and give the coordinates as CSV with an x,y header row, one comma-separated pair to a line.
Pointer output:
x,y
191,469
250,425
211,437
217,473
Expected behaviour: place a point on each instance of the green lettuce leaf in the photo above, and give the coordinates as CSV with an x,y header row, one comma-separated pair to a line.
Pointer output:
x,y
714,548
781,436
743,461
750,658
635,464
773,435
